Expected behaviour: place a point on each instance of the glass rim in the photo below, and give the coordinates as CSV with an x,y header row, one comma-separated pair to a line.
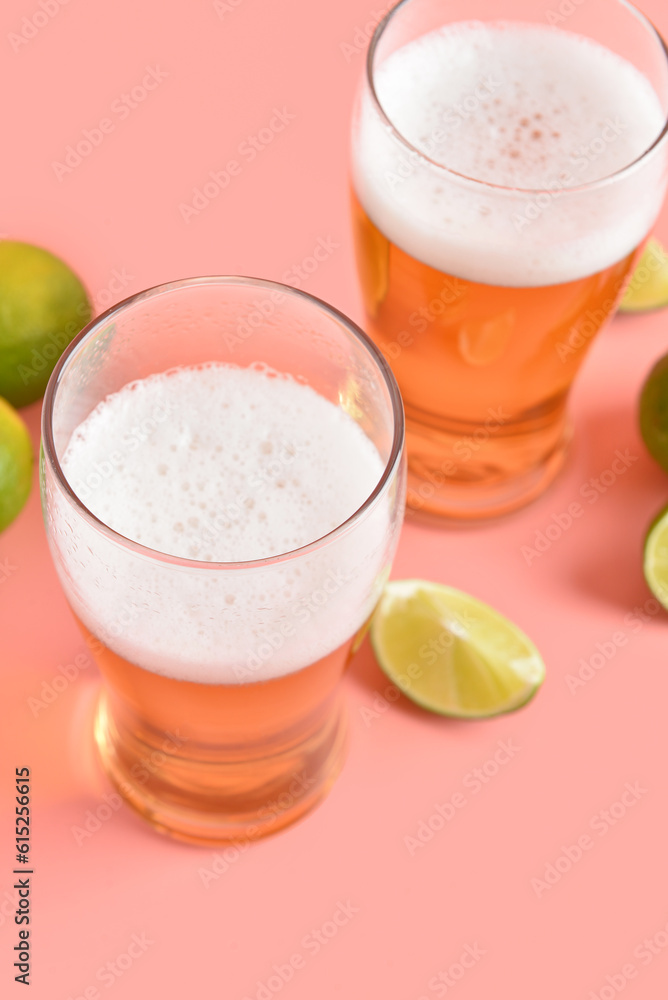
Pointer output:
x,y
487,185
51,457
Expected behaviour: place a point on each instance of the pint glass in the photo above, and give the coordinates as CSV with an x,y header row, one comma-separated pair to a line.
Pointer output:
x,y
220,714
508,163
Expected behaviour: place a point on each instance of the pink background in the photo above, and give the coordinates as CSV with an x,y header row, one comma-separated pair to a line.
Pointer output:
x,y
471,884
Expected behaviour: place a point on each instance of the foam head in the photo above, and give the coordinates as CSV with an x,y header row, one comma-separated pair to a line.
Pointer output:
x,y
224,464
535,112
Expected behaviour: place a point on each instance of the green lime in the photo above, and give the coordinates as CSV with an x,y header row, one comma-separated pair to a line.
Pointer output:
x,y
653,412
451,653
655,561
15,464
43,305
648,287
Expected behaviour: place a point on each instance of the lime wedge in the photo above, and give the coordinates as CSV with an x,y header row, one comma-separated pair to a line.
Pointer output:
x,y
452,654
655,563
648,288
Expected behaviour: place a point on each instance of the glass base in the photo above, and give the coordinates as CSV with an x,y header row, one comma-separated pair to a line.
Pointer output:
x,y
191,795
459,477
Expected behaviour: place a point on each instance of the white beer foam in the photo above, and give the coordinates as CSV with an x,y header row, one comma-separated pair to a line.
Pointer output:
x,y
245,466
224,464
522,107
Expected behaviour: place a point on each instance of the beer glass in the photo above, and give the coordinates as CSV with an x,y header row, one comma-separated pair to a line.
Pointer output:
x,y
508,163
220,715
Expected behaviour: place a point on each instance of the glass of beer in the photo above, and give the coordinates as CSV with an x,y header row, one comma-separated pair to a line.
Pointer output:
x,y
223,484
508,163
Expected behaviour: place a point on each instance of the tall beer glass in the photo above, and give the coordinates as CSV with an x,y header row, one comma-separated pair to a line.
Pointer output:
x,y
508,163
220,716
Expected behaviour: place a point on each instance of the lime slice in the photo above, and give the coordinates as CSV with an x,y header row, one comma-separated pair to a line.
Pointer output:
x,y
15,464
451,653
648,288
655,562
43,305
653,412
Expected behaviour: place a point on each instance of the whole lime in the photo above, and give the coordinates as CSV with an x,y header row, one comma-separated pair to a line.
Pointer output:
x,y
653,412
43,305
15,464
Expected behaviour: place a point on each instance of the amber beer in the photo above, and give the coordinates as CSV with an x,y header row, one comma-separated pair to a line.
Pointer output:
x,y
223,569
484,370
491,244
160,738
